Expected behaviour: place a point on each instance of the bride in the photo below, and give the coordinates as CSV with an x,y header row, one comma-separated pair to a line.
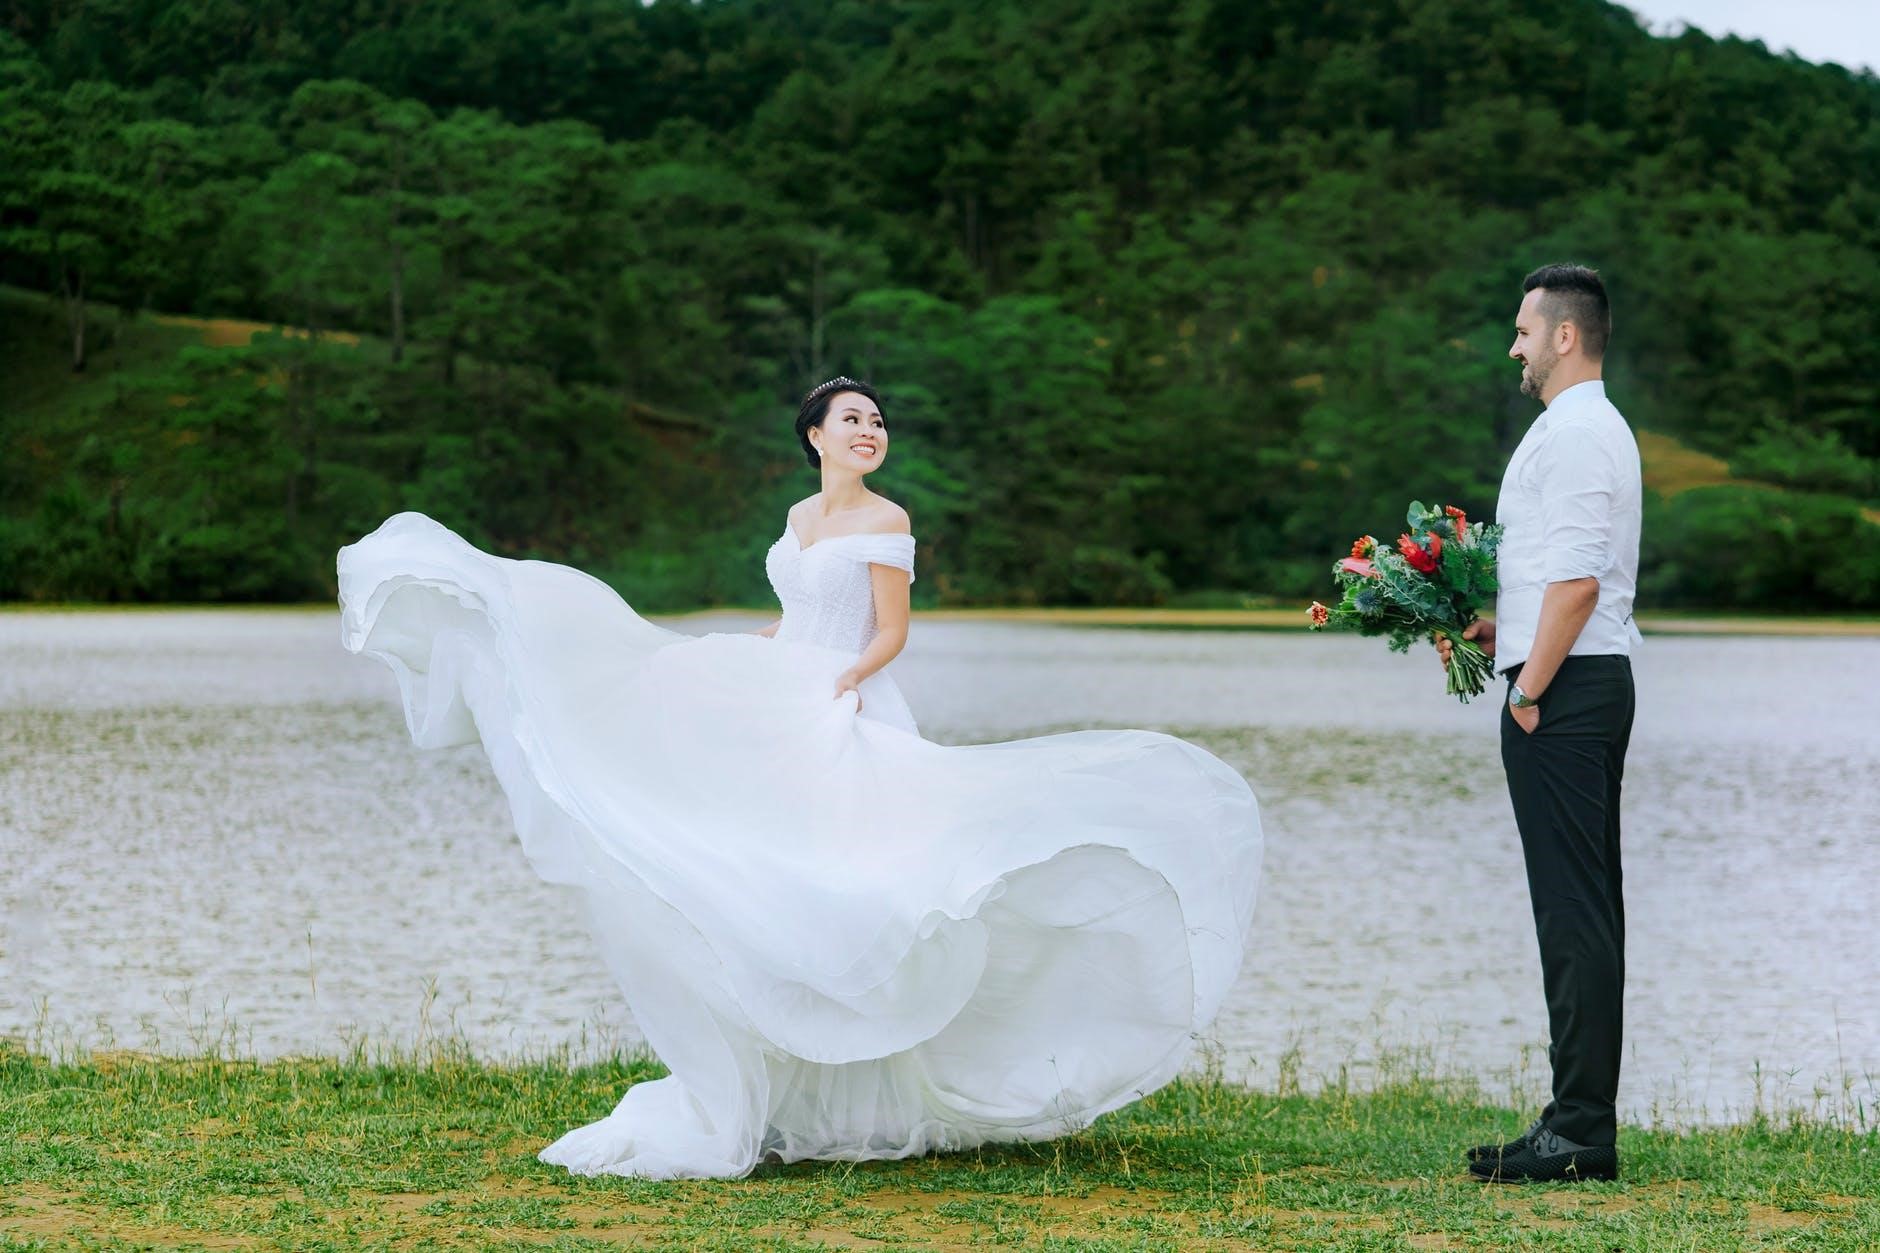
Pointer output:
x,y
843,940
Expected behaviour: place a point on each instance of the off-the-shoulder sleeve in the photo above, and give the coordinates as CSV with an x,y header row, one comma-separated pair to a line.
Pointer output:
x,y
883,550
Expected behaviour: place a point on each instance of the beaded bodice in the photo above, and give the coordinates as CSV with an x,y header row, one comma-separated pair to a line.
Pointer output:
x,y
827,594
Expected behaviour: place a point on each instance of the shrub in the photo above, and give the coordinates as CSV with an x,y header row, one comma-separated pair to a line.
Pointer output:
x,y
1818,463
1743,547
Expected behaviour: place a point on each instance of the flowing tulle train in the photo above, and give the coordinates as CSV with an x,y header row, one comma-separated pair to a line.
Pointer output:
x,y
844,941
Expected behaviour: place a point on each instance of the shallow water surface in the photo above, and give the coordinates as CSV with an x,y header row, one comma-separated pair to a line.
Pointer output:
x,y
214,831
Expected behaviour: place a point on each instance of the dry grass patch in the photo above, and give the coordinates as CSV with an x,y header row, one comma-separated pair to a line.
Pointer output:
x,y
1671,467
63,1219
237,333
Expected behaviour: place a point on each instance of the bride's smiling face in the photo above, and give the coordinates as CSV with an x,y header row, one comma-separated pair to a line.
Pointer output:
x,y
852,435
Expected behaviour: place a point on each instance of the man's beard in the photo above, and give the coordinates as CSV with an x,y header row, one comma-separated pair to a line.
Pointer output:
x,y
1534,376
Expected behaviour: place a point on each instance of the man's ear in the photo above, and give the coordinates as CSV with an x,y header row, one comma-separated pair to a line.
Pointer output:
x,y
1566,337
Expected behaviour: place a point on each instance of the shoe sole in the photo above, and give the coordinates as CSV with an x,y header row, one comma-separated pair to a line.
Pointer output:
x,y
1589,1176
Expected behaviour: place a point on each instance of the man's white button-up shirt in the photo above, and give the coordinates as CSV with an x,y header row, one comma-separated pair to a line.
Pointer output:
x,y
1570,502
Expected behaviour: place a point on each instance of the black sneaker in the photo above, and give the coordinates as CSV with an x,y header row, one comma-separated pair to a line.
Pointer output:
x,y
1546,1158
1512,1147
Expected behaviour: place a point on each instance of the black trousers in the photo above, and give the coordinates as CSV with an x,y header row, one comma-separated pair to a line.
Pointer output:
x,y
1564,779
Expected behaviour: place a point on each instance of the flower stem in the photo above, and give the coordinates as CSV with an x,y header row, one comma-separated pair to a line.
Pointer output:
x,y
1469,667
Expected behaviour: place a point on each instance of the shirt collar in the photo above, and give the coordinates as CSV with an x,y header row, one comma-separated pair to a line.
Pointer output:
x,y
1592,389
1578,394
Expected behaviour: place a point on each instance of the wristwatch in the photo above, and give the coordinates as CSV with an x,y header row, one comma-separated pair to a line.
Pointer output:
x,y
1519,699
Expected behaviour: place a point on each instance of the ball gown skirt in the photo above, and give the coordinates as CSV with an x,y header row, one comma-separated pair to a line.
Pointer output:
x,y
843,940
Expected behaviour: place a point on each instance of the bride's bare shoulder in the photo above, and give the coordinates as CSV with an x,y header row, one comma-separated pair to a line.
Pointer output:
x,y
888,518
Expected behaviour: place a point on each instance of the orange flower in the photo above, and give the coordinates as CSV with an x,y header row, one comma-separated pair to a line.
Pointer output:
x,y
1460,521
1363,546
1319,614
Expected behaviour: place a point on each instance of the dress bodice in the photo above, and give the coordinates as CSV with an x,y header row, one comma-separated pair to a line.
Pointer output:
x,y
827,595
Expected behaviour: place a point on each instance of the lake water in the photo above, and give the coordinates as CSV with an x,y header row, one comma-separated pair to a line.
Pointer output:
x,y
214,832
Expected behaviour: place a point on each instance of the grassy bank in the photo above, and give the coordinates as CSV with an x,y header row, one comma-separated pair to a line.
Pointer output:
x,y
126,1151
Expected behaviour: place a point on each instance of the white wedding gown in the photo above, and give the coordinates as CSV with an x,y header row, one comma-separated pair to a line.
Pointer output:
x,y
844,941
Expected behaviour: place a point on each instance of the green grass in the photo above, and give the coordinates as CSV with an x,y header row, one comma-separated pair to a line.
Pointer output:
x,y
120,1151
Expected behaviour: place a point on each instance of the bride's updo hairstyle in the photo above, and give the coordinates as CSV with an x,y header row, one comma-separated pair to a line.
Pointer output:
x,y
816,407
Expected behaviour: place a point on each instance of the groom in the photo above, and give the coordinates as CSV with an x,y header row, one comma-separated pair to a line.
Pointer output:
x,y
1563,636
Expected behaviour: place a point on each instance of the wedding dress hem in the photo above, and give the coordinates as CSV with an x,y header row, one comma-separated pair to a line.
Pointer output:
x,y
843,940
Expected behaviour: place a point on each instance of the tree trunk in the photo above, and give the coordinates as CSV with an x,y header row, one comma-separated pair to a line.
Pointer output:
x,y
74,285
398,304
447,299
398,260
816,319
295,384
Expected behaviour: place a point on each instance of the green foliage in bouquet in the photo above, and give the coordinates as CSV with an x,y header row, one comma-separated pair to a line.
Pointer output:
x,y
1435,582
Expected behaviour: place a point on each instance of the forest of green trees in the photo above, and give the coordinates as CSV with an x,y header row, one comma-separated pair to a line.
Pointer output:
x,y
1167,301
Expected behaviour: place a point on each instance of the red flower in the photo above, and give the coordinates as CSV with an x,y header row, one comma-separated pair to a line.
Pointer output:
x,y
1363,546
1436,546
1358,566
1414,553
1319,614
1460,518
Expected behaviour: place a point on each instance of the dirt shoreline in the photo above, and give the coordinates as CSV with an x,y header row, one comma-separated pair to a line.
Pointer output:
x,y
1294,619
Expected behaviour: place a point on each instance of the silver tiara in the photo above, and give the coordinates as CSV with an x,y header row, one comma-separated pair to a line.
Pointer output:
x,y
835,384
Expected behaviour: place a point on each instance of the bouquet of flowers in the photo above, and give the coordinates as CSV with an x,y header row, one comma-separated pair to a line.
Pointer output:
x,y
1435,582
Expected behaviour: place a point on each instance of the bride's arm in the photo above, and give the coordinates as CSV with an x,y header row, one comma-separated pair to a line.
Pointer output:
x,y
769,632
891,614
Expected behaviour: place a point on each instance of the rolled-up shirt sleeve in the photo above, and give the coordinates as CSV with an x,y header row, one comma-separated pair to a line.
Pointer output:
x,y
1577,480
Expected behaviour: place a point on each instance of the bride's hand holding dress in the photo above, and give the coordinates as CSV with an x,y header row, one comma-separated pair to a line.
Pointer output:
x,y
889,588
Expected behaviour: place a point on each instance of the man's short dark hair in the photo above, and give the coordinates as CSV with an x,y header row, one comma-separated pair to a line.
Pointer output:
x,y
1573,293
